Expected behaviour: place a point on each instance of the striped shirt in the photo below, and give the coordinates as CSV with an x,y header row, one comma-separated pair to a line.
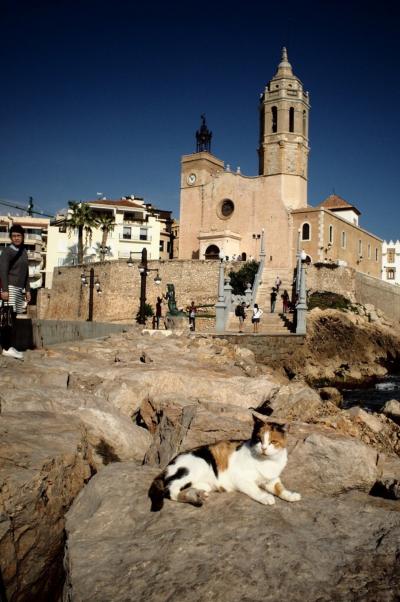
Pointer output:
x,y
16,298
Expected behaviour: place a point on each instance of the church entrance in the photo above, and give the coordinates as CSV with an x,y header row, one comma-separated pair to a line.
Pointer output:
x,y
212,252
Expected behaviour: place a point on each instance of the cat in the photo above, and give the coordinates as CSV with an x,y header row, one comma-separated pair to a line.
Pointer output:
x,y
252,467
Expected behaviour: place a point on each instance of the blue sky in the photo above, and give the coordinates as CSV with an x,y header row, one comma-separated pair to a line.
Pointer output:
x,y
105,96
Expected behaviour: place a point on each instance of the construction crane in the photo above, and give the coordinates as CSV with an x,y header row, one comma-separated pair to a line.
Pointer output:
x,y
29,209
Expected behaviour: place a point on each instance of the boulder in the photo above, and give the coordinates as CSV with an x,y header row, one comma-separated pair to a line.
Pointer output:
x,y
360,416
232,548
392,408
323,461
331,394
295,401
45,462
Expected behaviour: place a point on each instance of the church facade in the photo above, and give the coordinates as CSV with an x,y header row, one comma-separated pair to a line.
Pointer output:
x,y
225,212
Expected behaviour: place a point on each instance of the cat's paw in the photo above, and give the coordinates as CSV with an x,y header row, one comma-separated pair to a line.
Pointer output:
x,y
267,499
293,496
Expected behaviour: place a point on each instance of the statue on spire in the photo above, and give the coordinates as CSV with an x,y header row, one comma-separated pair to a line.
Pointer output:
x,y
203,137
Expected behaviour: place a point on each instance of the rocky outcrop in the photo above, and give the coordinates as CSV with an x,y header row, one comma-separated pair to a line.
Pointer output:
x,y
108,405
45,462
319,549
345,347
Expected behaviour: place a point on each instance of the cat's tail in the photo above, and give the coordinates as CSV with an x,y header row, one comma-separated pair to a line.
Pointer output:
x,y
157,493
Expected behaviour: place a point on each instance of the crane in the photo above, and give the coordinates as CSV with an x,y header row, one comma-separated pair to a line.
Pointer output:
x,y
29,209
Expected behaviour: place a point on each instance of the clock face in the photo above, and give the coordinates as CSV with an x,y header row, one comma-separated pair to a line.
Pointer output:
x,y
191,179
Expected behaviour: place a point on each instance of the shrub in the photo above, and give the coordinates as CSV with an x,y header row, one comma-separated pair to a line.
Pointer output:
x,y
246,274
328,300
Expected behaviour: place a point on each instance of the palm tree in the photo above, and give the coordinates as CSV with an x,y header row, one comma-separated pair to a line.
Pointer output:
x,y
106,223
80,217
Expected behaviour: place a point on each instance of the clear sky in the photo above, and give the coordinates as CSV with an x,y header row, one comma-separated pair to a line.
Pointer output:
x,y
106,95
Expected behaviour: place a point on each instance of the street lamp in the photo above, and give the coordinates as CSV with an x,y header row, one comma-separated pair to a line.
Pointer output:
x,y
92,285
144,271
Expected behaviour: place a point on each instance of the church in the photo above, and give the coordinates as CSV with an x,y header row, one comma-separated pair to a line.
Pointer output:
x,y
226,212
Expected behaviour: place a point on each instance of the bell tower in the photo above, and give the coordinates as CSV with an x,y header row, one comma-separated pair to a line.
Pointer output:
x,y
283,146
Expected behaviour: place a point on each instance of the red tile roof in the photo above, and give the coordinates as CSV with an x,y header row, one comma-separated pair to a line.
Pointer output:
x,y
336,203
118,203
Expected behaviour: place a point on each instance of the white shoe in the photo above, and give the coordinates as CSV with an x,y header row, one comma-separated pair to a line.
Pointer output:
x,y
11,352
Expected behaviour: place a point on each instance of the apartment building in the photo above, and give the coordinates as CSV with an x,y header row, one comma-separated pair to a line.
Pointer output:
x,y
137,225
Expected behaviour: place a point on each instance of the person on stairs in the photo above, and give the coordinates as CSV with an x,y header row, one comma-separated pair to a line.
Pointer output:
x,y
14,276
257,313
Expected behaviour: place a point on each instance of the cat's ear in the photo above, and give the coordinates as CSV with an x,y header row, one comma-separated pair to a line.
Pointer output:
x,y
278,426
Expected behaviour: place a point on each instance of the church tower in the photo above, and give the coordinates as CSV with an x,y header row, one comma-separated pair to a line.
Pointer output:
x,y
283,147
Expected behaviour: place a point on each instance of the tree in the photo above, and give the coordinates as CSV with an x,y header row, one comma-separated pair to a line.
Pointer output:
x,y
80,217
106,223
245,275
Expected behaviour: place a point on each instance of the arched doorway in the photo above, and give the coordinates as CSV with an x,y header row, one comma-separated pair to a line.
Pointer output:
x,y
244,257
212,252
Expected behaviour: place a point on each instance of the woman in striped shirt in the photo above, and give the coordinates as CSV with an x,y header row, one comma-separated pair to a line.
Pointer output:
x,y
14,275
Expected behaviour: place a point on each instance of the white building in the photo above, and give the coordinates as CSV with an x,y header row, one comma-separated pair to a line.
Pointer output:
x,y
391,261
138,225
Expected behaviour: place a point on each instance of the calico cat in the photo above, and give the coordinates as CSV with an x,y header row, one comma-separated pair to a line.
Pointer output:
x,y
252,467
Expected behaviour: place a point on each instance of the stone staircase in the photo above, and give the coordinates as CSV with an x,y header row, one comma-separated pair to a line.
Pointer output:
x,y
268,281
275,323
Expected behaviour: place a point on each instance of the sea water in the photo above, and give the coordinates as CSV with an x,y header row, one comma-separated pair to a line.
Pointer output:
x,y
373,397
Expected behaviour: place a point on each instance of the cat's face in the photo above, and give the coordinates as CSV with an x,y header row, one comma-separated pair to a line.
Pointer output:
x,y
268,439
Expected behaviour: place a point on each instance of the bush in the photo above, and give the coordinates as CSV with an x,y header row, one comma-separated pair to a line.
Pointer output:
x,y
328,300
246,274
148,312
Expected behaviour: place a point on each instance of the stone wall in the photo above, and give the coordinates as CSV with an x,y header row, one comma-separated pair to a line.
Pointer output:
x,y
340,280
69,300
383,295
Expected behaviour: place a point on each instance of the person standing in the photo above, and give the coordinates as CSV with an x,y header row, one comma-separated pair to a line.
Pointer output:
x,y
285,301
240,312
273,299
158,311
192,316
278,282
14,275
257,313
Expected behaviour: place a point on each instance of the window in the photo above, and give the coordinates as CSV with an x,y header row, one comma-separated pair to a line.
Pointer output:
x,y
227,208
369,251
161,246
291,119
274,112
306,232
143,234
376,254
343,240
390,273
360,248
168,247
127,233
330,234
304,123
391,255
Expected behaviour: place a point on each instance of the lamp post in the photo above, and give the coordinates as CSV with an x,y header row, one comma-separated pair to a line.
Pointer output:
x,y
301,307
93,284
220,306
144,270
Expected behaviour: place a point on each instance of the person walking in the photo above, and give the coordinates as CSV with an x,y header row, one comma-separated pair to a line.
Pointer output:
x,y
273,299
285,301
257,313
278,282
240,312
14,276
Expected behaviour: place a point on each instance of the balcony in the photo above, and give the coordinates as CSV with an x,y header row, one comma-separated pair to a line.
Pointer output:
x,y
32,237
34,256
